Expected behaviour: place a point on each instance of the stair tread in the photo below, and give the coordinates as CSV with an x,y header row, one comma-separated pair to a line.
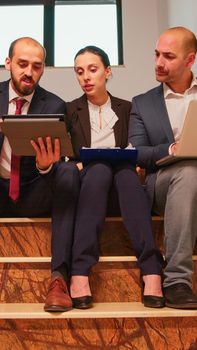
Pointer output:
x,y
48,219
35,259
24,220
99,310
45,259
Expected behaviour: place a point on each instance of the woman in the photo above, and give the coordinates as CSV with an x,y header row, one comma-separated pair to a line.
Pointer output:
x,y
98,119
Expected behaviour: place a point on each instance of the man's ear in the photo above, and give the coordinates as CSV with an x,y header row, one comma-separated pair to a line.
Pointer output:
x,y
191,59
7,63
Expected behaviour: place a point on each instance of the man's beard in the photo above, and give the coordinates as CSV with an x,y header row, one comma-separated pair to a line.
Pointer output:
x,y
22,90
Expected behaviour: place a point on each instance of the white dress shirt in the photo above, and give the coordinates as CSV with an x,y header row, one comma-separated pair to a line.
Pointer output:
x,y
102,120
177,105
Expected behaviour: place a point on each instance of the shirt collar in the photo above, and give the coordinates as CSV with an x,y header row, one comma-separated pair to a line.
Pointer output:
x,y
13,95
106,104
168,92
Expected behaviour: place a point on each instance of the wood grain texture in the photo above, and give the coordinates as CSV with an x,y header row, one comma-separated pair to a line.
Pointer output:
x,y
99,334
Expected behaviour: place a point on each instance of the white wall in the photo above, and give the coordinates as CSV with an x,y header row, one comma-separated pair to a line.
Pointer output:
x,y
143,21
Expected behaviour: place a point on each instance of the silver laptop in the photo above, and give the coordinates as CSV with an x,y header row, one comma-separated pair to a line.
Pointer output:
x,y
187,146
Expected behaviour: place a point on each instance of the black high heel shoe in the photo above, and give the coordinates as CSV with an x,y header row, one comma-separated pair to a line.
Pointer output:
x,y
84,302
151,300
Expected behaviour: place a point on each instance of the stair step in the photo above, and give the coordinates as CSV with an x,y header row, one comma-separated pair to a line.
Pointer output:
x,y
32,237
46,259
44,219
23,219
99,310
109,281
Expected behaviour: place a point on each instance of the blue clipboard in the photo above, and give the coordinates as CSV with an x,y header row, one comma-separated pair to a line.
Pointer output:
x,y
112,155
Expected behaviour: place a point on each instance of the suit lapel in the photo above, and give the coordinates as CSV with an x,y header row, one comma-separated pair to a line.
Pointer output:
x,y
84,119
161,112
116,106
4,100
4,97
38,101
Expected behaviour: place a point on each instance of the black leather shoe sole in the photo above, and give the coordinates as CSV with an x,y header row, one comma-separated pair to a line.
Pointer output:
x,y
153,301
185,305
56,308
84,302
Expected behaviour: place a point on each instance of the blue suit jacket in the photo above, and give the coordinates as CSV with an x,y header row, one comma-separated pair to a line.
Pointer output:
x,y
150,132
42,102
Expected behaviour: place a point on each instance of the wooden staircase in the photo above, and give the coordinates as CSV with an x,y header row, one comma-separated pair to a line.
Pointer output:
x,y
118,319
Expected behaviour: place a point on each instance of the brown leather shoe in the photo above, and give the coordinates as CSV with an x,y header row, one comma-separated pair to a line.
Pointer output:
x,y
58,299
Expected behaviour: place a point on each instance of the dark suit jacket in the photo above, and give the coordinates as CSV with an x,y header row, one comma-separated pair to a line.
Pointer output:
x,y
150,132
42,102
78,122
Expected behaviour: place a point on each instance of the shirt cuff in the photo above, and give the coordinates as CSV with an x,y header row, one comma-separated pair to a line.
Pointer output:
x,y
43,172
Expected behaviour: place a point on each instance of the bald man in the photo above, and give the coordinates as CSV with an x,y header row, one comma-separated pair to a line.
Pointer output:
x,y
155,125
47,185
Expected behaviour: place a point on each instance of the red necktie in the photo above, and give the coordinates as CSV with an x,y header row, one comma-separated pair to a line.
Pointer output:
x,y
14,189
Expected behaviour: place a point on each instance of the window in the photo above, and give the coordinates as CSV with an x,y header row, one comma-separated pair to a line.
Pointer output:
x,y
15,22
64,27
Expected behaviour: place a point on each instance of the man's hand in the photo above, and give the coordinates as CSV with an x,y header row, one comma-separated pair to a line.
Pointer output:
x,y
173,148
47,154
79,166
141,174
